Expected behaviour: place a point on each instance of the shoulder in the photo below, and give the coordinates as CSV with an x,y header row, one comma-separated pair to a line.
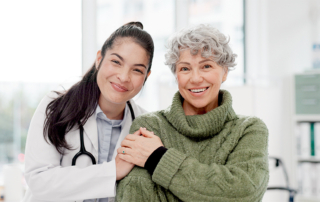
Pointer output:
x,y
150,117
249,136
49,97
150,120
249,126
250,121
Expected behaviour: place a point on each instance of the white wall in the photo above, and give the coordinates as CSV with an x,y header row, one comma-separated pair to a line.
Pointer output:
x,y
279,37
89,33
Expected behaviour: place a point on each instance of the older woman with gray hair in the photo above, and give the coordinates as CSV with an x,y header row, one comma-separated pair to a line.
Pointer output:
x,y
198,149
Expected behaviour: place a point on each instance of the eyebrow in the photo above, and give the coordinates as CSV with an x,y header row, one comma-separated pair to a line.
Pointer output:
x,y
186,63
121,58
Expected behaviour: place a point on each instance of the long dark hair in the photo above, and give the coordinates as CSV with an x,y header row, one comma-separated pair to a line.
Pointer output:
x,y
75,106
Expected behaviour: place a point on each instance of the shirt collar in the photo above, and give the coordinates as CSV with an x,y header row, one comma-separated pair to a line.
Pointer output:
x,y
115,123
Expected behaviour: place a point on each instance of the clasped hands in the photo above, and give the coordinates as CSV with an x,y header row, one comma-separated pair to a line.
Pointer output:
x,y
135,150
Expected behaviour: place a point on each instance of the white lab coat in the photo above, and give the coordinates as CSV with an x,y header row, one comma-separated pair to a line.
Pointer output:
x,y
51,177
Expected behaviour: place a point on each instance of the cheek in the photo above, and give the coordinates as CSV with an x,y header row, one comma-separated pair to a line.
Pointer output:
x,y
181,80
102,76
224,76
138,82
214,78
99,78
106,71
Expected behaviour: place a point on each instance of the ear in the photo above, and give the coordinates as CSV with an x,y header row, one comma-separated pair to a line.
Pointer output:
x,y
98,59
148,74
147,77
226,71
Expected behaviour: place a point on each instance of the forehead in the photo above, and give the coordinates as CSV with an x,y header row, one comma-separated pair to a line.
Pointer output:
x,y
128,48
125,43
188,55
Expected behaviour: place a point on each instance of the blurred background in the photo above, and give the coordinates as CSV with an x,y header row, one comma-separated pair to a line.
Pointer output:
x,y
48,45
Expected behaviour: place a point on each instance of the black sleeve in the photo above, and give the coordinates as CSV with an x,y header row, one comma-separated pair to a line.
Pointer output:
x,y
154,159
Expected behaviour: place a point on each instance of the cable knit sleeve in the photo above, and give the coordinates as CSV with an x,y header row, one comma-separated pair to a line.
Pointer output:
x,y
137,187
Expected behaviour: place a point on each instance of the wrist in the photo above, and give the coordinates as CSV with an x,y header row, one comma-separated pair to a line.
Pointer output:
x,y
154,159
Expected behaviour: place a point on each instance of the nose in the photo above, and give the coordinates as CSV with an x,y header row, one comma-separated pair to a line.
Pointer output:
x,y
196,77
124,75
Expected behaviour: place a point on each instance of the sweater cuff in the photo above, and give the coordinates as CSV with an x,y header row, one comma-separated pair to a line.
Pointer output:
x,y
167,167
154,159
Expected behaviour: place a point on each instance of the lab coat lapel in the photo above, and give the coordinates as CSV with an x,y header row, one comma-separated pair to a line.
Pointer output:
x,y
90,129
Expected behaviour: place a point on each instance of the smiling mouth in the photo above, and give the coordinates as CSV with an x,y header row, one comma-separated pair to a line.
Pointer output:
x,y
119,87
199,90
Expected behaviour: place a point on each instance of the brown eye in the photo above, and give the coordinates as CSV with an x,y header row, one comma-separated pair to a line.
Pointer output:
x,y
138,70
206,66
116,62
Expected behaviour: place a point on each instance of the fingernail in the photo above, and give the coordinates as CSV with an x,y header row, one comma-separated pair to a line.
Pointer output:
x,y
145,128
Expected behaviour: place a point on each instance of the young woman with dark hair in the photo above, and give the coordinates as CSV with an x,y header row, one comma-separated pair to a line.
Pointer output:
x,y
73,136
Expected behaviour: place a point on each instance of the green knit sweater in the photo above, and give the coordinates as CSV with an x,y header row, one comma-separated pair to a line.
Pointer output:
x,y
217,156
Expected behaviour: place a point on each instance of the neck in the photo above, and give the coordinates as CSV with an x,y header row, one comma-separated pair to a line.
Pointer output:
x,y
111,110
192,110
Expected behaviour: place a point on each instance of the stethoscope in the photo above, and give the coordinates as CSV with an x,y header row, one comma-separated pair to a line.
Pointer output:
x,y
82,147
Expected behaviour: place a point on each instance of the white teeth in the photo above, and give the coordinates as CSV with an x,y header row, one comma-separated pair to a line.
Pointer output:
x,y
198,90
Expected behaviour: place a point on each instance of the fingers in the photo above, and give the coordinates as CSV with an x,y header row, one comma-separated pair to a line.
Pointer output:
x,y
142,131
131,159
132,137
127,143
124,151
146,133
126,158
138,132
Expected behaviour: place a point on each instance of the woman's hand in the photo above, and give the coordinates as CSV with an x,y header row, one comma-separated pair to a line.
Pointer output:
x,y
137,149
122,167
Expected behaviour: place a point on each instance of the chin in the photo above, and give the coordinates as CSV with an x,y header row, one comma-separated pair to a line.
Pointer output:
x,y
198,105
115,99
119,101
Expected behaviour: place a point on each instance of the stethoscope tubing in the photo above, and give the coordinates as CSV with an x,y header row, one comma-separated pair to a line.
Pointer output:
x,y
83,150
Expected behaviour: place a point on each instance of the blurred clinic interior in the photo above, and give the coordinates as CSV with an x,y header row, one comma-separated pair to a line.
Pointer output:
x,y
47,45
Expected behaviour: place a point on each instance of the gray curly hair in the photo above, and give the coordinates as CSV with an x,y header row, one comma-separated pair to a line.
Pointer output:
x,y
209,40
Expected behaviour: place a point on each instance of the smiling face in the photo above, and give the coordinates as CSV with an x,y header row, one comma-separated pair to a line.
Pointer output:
x,y
122,73
199,80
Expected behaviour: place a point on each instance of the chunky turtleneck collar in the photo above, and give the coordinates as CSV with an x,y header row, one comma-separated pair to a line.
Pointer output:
x,y
200,126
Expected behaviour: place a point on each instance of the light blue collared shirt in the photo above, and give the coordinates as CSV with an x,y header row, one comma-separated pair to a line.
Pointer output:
x,y
108,135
